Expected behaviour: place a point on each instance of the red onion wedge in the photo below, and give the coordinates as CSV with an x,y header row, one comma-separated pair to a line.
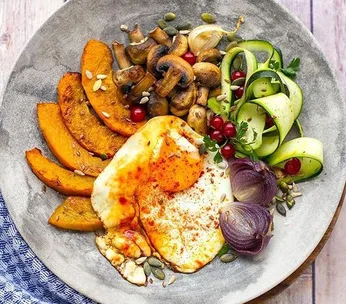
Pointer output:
x,y
252,182
246,227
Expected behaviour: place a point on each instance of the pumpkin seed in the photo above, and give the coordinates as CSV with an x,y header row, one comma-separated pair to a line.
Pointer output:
x,y
171,279
208,18
169,17
162,23
88,74
79,172
145,94
279,199
283,187
183,26
170,30
281,209
231,45
228,257
155,262
158,273
231,36
239,81
140,260
290,203
237,63
104,156
101,76
97,85
144,100
147,268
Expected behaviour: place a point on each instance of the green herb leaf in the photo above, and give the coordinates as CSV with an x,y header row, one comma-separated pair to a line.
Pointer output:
x,y
212,146
292,69
274,65
218,157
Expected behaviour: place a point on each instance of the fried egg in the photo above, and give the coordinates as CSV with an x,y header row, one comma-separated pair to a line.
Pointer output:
x,y
159,196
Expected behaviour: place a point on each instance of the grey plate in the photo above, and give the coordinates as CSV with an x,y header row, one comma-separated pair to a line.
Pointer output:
x,y
56,49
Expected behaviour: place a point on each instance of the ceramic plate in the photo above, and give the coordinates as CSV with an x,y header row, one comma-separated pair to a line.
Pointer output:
x,y
56,48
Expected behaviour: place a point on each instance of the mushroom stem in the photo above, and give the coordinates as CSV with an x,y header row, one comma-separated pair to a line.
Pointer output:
x,y
202,96
136,34
170,80
160,36
120,56
146,82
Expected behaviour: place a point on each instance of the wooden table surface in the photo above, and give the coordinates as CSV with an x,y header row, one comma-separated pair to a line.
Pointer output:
x,y
324,281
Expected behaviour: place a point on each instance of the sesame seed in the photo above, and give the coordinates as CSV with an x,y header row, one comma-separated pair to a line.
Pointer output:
x,y
88,74
222,198
223,53
105,114
78,153
97,85
124,28
101,76
91,153
78,172
184,32
126,106
145,94
144,100
103,88
194,78
81,136
57,218
221,97
151,89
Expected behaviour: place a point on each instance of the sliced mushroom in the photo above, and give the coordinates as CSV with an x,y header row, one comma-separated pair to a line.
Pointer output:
x,y
154,55
137,52
207,74
185,98
197,119
136,92
180,45
130,75
179,113
215,92
136,34
160,36
157,106
177,71
120,56
202,96
213,56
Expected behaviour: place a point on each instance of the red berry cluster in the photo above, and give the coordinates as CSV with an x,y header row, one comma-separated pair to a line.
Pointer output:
x,y
220,132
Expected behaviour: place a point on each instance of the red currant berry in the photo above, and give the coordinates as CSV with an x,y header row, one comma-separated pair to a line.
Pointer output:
x,y
217,136
269,121
137,114
292,167
228,151
229,129
239,92
237,74
216,122
189,57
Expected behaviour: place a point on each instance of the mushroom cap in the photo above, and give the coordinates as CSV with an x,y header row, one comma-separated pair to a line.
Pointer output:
x,y
207,74
137,52
179,65
179,46
130,75
212,56
185,98
154,55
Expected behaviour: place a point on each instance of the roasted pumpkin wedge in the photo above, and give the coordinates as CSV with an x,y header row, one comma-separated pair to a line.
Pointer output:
x,y
102,93
62,144
83,125
58,178
76,213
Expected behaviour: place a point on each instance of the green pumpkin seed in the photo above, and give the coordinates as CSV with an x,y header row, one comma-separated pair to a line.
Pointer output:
x,y
237,63
155,262
183,26
208,18
147,268
225,248
290,203
162,24
158,273
279,199
231,36
281,209
170,30
169,17
231,45
104,156
228,257
239,81
283,187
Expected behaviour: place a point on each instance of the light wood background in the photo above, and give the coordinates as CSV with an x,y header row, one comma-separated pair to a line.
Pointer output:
x,y
324,281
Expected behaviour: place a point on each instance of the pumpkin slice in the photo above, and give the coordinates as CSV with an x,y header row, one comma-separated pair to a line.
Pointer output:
x,y
97,63
62,144
58,178
76,213
83,125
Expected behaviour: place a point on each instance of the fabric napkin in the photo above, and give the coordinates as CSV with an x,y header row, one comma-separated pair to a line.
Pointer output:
x,y
23,277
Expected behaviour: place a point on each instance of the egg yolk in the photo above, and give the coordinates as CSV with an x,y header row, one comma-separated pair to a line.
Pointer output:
x,y
175,169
